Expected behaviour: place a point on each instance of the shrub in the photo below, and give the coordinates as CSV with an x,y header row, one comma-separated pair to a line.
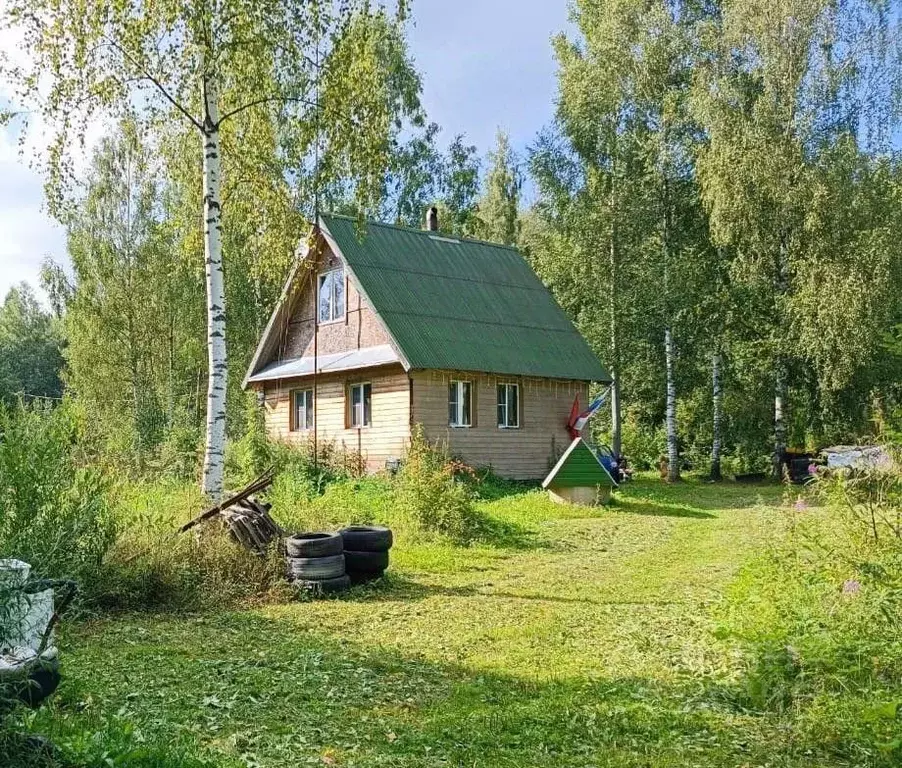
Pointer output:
x,y
55,511
433,494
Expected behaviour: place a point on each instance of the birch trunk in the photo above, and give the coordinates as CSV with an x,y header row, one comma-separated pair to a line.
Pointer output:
x,y
779,420
214,452
616,412
781,286
673,454
716,419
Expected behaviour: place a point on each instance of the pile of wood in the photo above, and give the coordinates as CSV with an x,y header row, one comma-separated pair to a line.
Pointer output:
x,y
251,525
247,519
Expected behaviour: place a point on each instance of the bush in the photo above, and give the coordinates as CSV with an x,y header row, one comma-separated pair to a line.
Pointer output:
x,y
55,511
433,494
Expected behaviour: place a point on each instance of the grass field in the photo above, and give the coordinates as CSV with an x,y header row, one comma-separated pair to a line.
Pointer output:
x,y
576,638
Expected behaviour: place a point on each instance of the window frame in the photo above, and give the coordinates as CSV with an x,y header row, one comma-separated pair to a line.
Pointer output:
x,y
458,385
508,386
333,318
350,400
307,392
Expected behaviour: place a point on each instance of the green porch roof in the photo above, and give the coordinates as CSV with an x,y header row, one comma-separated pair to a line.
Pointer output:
x,y
458,304
579,467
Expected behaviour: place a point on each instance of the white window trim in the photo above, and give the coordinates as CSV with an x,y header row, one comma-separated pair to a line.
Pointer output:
x,y
294,410
344,313
460,410
507,404
361,384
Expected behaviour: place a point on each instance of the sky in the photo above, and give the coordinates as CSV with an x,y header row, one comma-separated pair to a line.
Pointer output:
x,y
485,64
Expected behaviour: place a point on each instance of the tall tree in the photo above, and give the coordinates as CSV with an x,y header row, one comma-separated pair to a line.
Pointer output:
x,y
499,206
783,81
315,65
129,297
30,347
623,92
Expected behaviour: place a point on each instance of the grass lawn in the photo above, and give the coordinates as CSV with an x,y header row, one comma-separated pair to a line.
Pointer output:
x,y
580,638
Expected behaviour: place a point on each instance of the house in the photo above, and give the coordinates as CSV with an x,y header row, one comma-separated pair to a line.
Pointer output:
x,y
380,328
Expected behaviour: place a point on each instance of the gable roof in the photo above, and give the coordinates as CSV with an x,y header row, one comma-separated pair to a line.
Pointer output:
x,y
458,304
578,467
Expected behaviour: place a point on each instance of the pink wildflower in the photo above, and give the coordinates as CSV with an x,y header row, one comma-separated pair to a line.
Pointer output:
x,y
851,587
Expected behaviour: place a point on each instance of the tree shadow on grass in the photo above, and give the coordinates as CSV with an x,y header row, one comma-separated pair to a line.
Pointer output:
x,y
394,587
258,686
658,508
505,534
700,495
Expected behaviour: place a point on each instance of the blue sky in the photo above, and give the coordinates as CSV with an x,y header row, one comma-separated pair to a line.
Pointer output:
x,y
486,64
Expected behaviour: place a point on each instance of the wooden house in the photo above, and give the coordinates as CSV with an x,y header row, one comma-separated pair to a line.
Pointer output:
x,y
380,328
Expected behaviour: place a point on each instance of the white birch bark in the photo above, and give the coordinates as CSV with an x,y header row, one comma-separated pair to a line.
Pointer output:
x,y
214,450
781,285
616,412
779,419
673,454
716,398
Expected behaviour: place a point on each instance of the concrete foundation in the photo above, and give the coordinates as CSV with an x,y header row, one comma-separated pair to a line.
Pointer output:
x,y
587,496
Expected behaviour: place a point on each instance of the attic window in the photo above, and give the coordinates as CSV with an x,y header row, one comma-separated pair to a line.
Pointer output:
x,y
331,296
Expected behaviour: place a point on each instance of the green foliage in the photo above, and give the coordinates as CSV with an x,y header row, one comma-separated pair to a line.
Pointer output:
x,y
817,617
499,207
30,348
152,567
431,495
55,511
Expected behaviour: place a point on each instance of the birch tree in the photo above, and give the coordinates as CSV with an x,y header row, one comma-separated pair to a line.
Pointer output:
x,y
782,82
499,207
206,64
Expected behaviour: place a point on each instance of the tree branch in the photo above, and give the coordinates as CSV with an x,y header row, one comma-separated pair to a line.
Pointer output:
x,y
156,83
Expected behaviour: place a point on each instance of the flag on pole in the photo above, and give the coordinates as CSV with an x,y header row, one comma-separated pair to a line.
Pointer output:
x,y
571,422
593,408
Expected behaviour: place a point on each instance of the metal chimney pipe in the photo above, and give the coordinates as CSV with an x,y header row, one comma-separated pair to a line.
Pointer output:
x,y
432,219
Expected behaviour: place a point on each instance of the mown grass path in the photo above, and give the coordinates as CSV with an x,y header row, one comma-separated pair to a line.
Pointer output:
x,y
577,638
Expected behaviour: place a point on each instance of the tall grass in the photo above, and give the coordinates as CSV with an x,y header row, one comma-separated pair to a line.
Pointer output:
x,y
818,619
55,510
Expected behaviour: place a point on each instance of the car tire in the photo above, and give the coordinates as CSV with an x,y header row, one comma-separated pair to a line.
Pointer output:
x,y
316,568
366,538
314,544
323,586
365,563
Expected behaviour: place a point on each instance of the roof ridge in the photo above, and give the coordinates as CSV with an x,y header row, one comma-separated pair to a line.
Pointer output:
x,y
426,232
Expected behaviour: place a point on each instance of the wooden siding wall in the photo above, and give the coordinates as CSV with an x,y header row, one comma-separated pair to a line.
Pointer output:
x,y
526,453
358,329
389,434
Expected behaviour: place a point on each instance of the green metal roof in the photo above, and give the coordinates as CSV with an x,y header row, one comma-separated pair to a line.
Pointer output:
x,y
458,304
578,467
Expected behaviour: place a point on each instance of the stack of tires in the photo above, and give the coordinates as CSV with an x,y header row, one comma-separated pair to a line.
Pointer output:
x,y
316,562
365,551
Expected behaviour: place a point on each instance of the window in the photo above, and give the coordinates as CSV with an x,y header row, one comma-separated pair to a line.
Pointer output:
x,y
508,406
301,409
331,296
361,405
460,404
